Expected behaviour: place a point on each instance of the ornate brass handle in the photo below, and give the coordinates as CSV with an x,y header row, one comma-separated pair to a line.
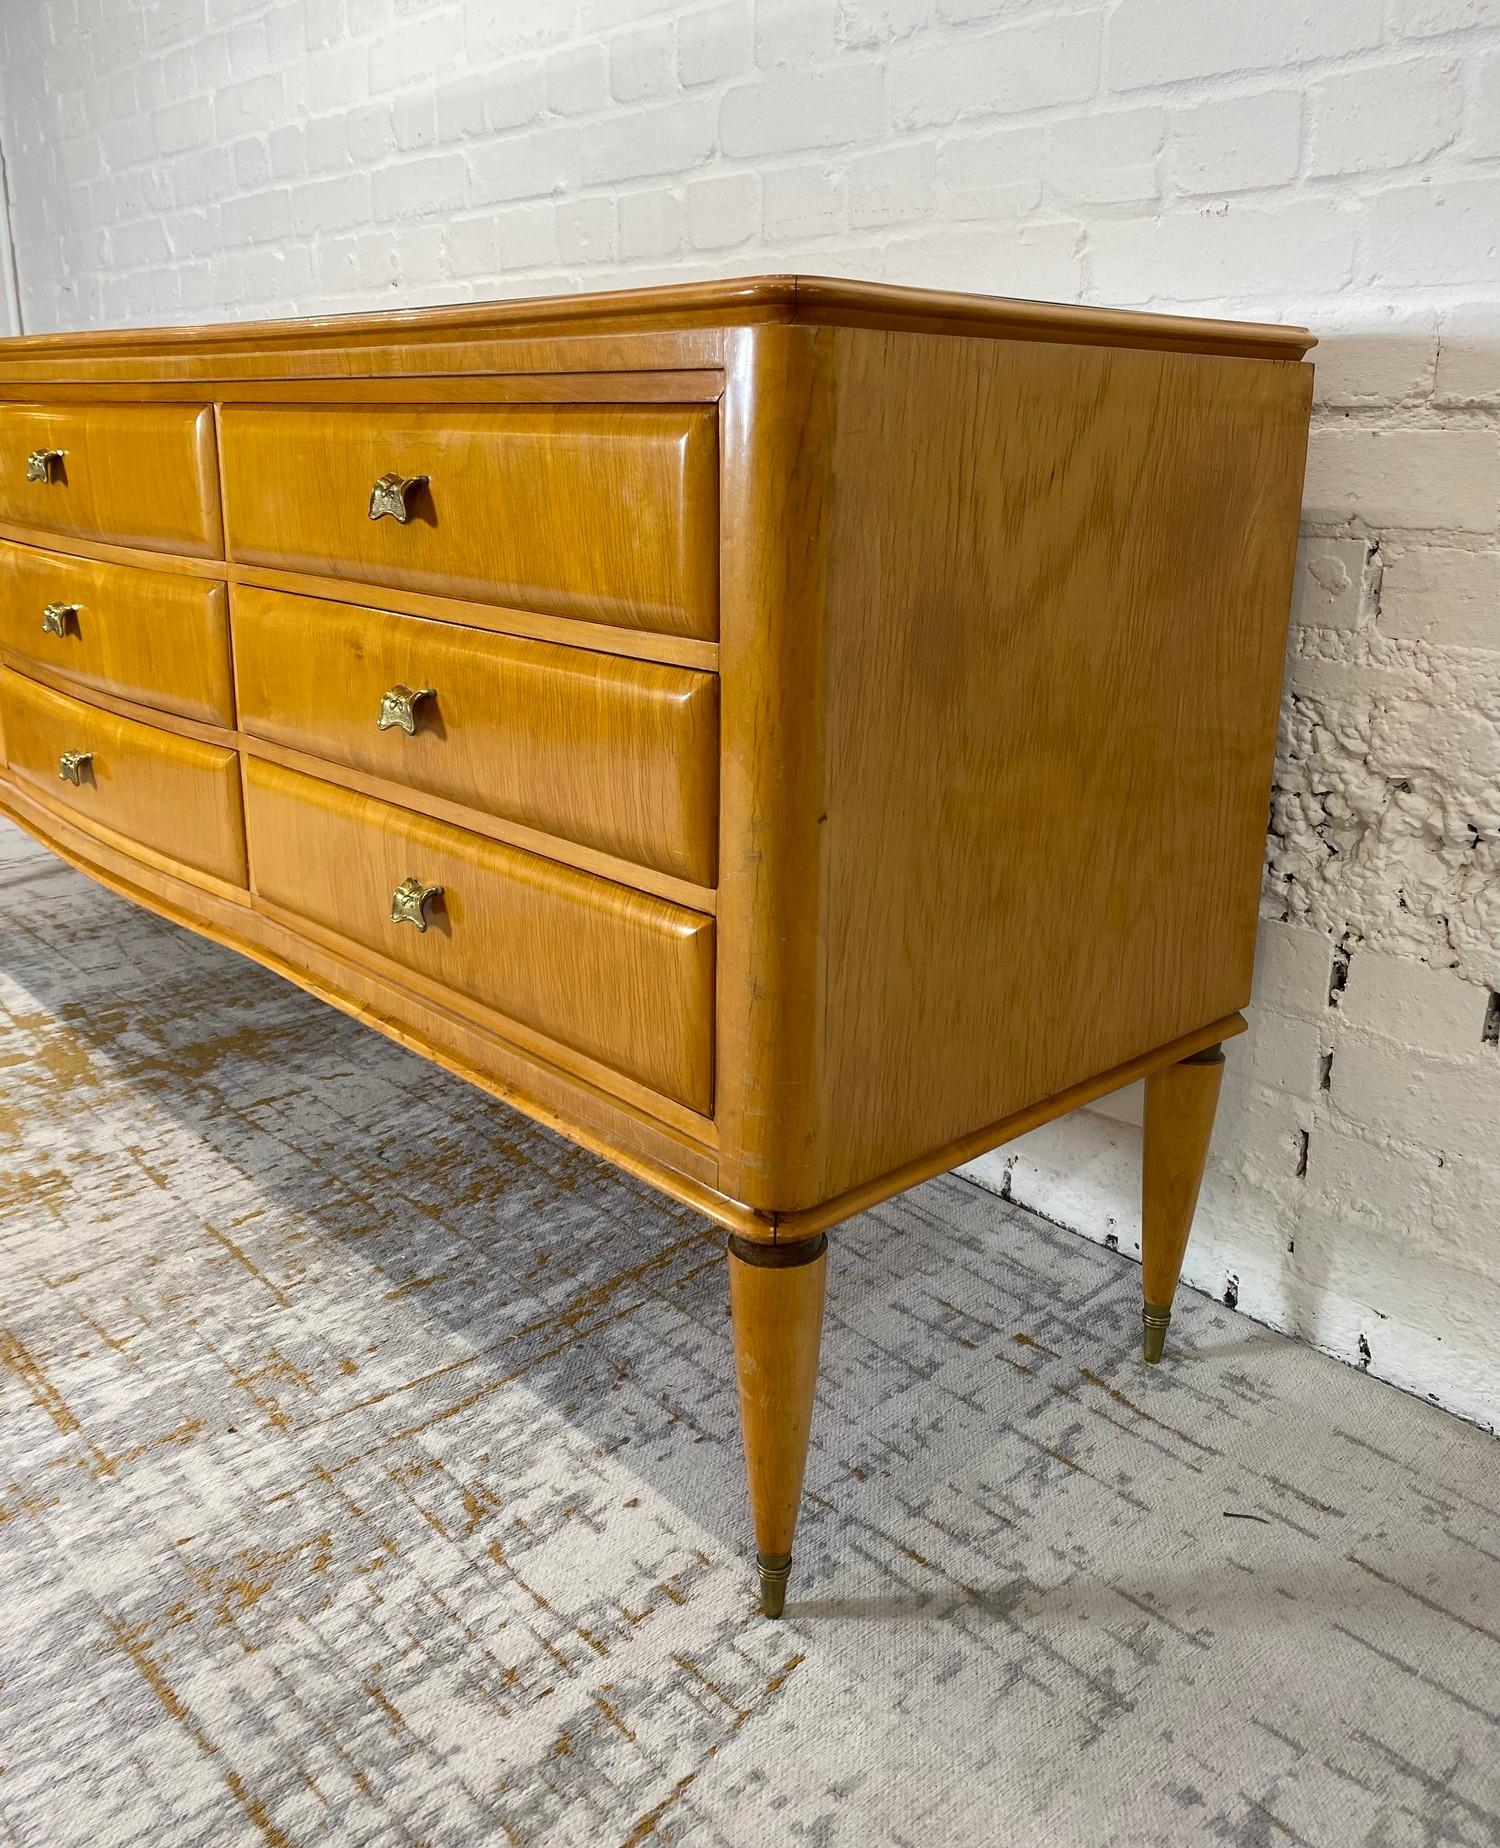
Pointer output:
x,y
42,464
399,707
72,764
57,616
409,902
390,495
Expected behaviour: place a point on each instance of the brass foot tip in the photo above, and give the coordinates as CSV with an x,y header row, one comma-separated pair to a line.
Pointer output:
x,y
1153,1333
775,1570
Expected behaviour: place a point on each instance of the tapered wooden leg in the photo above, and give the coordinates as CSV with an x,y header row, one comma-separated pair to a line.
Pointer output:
x,y
1180,1104
776,1301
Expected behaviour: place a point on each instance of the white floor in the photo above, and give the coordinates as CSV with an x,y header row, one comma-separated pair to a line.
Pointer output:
x,y
369,1474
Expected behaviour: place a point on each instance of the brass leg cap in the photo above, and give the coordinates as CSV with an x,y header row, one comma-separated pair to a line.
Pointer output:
x,y
1153,1332
775,1570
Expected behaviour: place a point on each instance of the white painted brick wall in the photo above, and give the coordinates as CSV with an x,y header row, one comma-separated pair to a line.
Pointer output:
x,y
1337,163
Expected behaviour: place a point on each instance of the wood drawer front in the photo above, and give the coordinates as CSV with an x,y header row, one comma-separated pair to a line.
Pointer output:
x,y
174,795
603,513
623,978
152,636
130,474
615,754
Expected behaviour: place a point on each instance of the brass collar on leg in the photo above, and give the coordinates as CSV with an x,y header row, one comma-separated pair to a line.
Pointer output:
x,y
775,1570
1153,1332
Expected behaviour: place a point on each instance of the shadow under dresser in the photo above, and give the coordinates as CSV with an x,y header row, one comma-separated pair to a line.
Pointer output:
x,y
788,735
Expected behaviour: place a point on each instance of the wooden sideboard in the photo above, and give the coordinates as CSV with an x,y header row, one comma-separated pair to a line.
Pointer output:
x,y
788,735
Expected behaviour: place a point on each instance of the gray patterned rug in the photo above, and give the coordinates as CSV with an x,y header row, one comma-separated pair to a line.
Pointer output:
x,y
369,1474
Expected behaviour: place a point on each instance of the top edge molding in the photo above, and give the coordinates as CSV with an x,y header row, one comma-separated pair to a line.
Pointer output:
x,y
813,300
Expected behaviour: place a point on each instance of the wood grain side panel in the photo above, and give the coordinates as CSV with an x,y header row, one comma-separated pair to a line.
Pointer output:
x,y
606,514
175,795
622,977
131,474
614,754
152,636
1051,710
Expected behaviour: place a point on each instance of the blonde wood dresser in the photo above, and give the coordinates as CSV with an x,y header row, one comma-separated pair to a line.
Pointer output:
x,y
788,735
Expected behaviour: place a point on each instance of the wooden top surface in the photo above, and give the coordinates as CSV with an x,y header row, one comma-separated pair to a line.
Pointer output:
x,y
736,302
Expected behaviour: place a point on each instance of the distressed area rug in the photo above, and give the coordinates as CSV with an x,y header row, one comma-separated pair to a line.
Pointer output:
x,y
369,1474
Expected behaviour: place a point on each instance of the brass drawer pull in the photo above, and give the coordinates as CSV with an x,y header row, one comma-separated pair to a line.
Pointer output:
x,y
71,766
43,464
390,494
399,707
409,902
57,616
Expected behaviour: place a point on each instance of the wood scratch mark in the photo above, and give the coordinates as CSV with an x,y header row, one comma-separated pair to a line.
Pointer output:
x,y
1090,1410
309,1780
1140,1412
1408,1668
690,1667
646,1827
415,1284
1307,1501
256,1811
1431,1604
256,1571
596,1298
183,1434
132,1640
386,1705
613,1717
241,1257
15,1355
1041,1347
279,1370
1276,1823
497,1553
